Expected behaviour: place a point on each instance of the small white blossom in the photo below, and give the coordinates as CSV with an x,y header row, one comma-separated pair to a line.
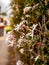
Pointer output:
x,y
27,15
32,31
10,39
34,26
26,9
28,34
19,62
10,44
20,41
37,58
18,26
21,50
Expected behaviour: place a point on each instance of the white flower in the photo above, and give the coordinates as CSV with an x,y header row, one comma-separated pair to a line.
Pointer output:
x,y
19,62
21,50
20,41
27,15
18,26
37,58
32,31
10,39
34,26
26,9
28,34
10,44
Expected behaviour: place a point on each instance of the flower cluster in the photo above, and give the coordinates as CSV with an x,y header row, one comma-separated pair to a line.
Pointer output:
x,y
10,39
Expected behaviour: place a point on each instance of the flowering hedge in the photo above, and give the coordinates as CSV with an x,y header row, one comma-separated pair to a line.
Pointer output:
x,y
30,36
